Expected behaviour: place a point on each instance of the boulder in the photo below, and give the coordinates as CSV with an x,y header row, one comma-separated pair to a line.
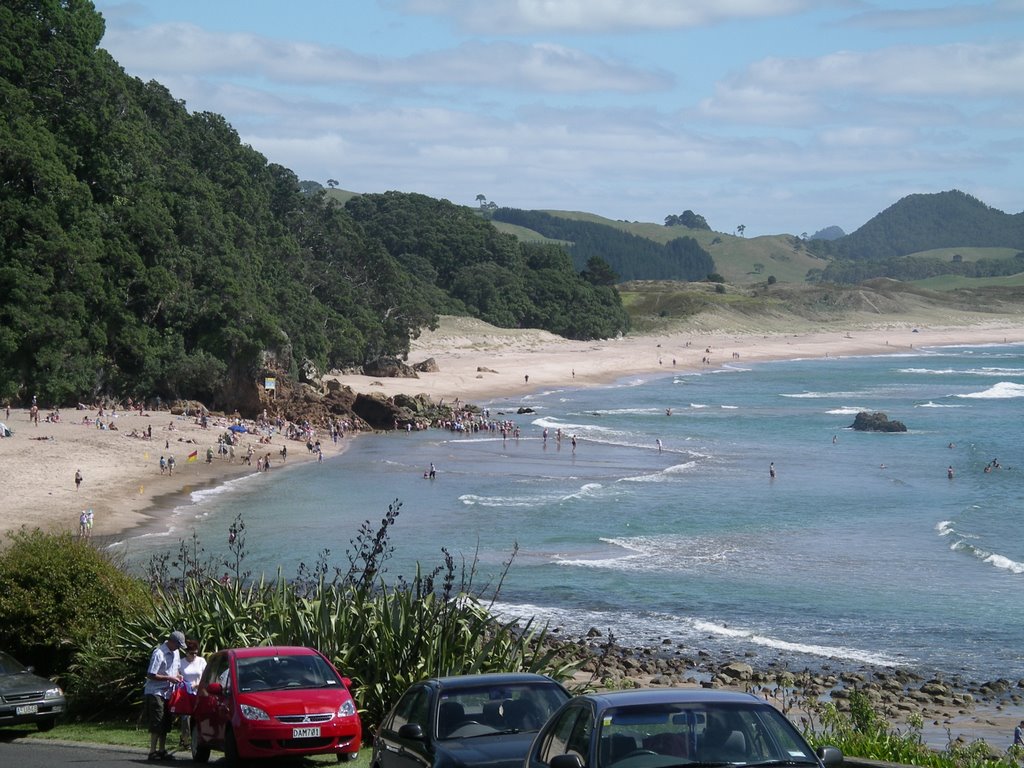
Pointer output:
x,y
427,366
380,412
738,670
868,421
389,367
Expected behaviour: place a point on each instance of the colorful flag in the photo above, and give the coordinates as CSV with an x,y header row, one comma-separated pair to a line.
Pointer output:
x,y
193,456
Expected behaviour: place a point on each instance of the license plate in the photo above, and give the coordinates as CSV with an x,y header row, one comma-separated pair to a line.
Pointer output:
x,y
305,733
27,709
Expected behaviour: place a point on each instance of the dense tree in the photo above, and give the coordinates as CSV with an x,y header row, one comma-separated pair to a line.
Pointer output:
x,y
687,219
631,257
490,274
144,250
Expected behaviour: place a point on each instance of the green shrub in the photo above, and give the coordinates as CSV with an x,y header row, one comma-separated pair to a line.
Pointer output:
x,y
56,593
864,733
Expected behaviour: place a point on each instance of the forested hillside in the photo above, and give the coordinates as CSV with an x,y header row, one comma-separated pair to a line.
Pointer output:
x,y
924,222
145,251
629,256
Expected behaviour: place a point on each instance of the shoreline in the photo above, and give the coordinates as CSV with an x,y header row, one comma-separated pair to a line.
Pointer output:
x,y
476,362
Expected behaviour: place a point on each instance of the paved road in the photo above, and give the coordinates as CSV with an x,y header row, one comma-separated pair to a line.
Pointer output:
x,y
34,753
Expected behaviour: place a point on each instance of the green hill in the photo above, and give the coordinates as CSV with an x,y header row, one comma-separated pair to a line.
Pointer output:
x,y
926,222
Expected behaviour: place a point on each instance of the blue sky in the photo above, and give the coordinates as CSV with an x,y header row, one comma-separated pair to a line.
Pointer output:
x,y
781,115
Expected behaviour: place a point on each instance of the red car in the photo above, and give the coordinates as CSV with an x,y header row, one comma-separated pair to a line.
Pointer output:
x,y
274,701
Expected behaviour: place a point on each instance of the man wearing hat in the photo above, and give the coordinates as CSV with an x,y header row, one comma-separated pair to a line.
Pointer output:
x,y
161,676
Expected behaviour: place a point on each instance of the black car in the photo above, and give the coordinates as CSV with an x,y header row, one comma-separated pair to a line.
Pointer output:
x,y
672,727
467,720
26,697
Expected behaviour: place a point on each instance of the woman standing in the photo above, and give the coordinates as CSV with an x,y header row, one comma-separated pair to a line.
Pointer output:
x,y
192,666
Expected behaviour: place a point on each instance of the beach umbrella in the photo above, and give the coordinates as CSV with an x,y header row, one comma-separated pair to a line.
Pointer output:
x,y
237,428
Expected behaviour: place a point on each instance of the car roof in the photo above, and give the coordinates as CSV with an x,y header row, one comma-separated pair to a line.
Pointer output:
x,y
271,650
490,678
643,696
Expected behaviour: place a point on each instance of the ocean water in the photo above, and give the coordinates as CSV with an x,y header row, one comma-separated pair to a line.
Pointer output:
x,y
860,551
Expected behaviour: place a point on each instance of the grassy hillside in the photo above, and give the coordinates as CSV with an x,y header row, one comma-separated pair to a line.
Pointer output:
x,y
656,306
967,253
740,260
525,235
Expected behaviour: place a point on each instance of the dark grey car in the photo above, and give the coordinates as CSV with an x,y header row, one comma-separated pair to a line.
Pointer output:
x,y
26,697
466,721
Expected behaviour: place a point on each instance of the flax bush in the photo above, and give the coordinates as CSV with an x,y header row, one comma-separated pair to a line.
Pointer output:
x,y
382,633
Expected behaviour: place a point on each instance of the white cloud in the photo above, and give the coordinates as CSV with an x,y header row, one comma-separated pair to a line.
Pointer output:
x,y
964,70
948,16
532,16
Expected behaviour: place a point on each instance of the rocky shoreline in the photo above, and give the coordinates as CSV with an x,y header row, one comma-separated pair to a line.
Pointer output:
x,y
948,709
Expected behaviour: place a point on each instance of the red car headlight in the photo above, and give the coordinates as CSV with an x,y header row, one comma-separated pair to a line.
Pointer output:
x,y
249,712
347,709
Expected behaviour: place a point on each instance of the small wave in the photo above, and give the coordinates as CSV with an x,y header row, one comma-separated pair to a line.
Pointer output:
x,y
529,501
846,411
992,371
810,649
814,395
632,628
962,543
729,407
205,494
698,405
1000,391
930,404
660,477
552,423
627,411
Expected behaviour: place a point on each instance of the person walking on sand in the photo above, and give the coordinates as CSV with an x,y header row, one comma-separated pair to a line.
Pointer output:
x,y
78,479
170,464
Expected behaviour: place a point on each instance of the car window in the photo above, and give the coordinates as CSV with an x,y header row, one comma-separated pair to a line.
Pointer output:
x,y
560,736
497,708
216,672
413,707
717,733
9,665
272,673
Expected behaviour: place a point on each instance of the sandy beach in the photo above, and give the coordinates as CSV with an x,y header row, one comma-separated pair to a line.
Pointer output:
x,y
476,361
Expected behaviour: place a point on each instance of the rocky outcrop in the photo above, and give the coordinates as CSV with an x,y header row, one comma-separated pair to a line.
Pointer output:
x,y
380,412
427,366
389,367
868,421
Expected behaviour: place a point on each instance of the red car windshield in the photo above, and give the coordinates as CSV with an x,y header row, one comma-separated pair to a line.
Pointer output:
x,y
271,673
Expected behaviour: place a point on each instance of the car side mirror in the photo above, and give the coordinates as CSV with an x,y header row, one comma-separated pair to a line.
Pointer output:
x,y
830,756
571,760
215,689
412,731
